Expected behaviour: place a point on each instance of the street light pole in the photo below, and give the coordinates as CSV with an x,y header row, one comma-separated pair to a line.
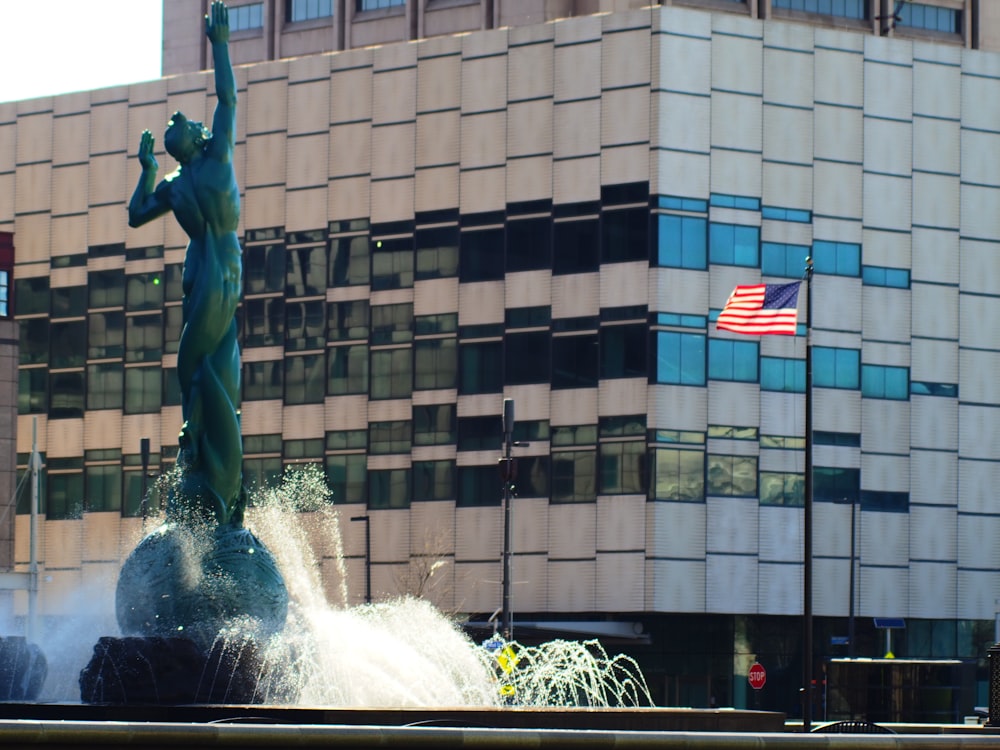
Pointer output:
x,y
508,477
368,556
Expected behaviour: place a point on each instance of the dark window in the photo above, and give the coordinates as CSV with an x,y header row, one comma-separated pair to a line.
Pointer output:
x,y
575,361
677,475
625,235
348,370
34,341
529,244
389,437
264,321
349,261
69,301
68,343
577,246
103,487
143,291
132,492
435,364
622,468
481,255
389,488
623,351
106,288
66,395
65,495
262,380
173,280
143,338
173,321
305,325
346,475
434,424
391,373
264,268
347,320
886,502
481,367
574,476
392,324
392,264
304,379
305,271
533,477
527,358
479,433
31,295
32,391
171,387
105,385
142,389
433,480
106,335
437,252
479,486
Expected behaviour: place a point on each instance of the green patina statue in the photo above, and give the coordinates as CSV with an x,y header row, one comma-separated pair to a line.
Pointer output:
x,y
201,570
205,199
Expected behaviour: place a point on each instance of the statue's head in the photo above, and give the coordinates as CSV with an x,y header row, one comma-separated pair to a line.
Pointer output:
x,y
185,138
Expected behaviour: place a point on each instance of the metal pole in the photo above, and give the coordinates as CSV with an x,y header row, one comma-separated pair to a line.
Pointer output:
x,y
807,624
34,464
850,604
508,439
368,556
144,457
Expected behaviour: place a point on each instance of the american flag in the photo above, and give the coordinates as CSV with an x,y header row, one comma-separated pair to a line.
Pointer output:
x,y
759,309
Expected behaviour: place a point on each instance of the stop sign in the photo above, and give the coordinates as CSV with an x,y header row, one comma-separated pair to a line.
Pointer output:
x,y
757,676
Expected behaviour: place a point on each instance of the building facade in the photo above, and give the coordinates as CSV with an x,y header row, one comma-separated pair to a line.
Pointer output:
x,y
555,213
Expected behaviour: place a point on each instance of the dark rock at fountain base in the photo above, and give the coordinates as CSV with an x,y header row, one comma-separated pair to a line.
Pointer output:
x,y
174,671
23,669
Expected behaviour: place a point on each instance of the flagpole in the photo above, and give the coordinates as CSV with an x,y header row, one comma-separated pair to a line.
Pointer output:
x,y
807,624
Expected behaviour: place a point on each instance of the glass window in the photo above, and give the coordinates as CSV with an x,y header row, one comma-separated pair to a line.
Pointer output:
x,y
532,476
68,344
734,244
845,8
782,488
886,502
66,395
837,258
173,280
245,17
305,10
304,379
743,202
143,338
69,301
479,486
731,476
132,495
263,380
32,391
106,335
143,388
31,295
349,261
880,381
481,367
338,440
575,361
680,358
836,485
388,488
103,485
733,360
364,5
623,351
481,255
576,245
348,370
845,439
264,321
347,320
308,450
105,385
779,259
262,471
106,288
781,374
434,424
898,278
577,434
143,291
574,476
836,368
65,495
682,241
264,268
392,324
305,271
625,235
173,321
437,252
527,359
433,480
392,264
949,390
389,437
622,468
391,373
930,17
171,387
305,325
34,341
435,364
480,433
677,475
778,213
346,475
529,244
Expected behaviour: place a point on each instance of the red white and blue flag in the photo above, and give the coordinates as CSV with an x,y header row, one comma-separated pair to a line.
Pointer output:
x,y
759,309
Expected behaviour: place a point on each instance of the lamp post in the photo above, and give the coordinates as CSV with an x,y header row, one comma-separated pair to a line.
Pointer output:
x,y
507,471
144,458
368,556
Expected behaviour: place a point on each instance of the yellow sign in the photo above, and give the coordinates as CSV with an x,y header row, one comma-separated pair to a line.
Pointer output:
x,y
507,659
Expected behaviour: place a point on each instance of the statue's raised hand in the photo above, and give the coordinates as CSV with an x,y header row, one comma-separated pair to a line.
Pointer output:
x,y
217,23
146,158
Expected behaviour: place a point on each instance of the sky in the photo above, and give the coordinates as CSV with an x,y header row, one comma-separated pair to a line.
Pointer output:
x,y
58,46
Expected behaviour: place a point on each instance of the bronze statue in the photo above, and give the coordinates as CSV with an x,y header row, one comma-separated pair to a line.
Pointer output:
x,y
204,197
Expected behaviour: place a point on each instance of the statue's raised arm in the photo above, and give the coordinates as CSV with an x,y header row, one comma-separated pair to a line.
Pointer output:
x,y
224,121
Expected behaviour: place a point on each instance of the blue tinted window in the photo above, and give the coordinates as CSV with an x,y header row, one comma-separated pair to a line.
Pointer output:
x,y
780,374
786,214
680,358
778,259
930,17
881,276
734,244
735,201
837,258
836,368
681,204
681,241
934,389
732,360
836,485
675,319
243,17
304,10
844,8
880,381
